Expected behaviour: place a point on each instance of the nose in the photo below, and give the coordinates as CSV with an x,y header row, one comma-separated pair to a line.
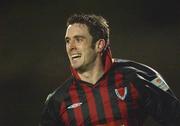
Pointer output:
x,y
71,45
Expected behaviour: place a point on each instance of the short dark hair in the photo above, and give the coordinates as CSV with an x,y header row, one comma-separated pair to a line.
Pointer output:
x,y
97,25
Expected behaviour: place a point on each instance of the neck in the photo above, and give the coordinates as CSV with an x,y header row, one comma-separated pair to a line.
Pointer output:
x,y
93,74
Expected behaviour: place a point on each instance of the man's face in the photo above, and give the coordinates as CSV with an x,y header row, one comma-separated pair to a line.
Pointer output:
x,y
79,47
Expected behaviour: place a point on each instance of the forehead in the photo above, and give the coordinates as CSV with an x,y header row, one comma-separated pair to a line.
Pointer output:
x,y
77,28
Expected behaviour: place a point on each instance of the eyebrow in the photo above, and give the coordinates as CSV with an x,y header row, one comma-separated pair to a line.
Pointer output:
x,y
76,36
79,36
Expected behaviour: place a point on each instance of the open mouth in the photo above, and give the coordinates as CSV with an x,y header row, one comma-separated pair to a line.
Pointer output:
x,y
75,56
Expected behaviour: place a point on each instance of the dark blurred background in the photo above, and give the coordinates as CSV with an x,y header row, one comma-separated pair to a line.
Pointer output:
x,y
33,60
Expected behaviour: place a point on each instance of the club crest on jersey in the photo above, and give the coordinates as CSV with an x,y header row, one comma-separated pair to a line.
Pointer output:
x,y
121,93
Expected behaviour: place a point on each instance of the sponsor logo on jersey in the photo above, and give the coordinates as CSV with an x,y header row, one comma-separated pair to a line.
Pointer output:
x,y
75,105
121,93
160,83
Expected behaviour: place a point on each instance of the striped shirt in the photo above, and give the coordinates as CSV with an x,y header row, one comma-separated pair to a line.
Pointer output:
x,y
123,96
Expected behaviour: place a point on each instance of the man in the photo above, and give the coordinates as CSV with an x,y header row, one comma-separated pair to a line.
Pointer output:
x,y
103,91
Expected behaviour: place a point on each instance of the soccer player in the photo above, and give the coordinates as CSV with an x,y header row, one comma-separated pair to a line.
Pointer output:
x,y
104,91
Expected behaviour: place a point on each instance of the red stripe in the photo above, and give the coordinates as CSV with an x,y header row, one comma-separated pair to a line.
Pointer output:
x,y
77,111
63,114
91,103
122,104
123,110
106,100
134,95
118,79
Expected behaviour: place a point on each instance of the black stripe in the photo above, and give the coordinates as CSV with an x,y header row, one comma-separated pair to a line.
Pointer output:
x,y
130,111
85,107
113,97
70,112
99,106
62,93
134,113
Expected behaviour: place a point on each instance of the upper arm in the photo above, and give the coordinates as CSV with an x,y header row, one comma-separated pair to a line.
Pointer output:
x,y
160,104
49,115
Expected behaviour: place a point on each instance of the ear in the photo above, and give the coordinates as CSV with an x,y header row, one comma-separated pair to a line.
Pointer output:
x,y
100,45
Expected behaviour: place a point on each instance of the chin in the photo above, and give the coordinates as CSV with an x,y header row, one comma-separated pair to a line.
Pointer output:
x,y
75,67
78,68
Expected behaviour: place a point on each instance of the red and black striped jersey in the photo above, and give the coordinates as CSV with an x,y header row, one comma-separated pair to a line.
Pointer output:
x,y
124,96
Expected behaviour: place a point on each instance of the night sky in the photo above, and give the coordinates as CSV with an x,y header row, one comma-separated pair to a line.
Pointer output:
x,y
32,48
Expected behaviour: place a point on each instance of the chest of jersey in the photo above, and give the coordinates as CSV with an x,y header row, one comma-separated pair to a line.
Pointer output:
x,y
106,104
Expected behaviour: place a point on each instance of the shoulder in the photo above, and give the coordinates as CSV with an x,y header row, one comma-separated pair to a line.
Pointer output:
x,y
144,71
137,67
60,92
50,112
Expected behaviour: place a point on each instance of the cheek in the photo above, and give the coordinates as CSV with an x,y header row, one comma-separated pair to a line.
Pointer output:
x,y
67,50
68,54
90,54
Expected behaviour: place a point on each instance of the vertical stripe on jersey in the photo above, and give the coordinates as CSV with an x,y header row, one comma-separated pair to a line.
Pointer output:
x,y
134,105
91,104
77,111
63,114
118,79
84,106
134,95
99,105
112,95
70,113
121,103
130,110
106,100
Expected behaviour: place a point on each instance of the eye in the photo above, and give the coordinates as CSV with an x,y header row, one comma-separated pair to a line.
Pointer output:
x,y
67,41
79,39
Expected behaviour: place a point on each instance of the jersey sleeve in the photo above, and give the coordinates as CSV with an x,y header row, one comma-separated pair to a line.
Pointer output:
x,y
147,73
160,104
156,97
49,115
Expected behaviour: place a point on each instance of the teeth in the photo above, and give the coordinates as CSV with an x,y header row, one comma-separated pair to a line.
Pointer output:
x,y
75,56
